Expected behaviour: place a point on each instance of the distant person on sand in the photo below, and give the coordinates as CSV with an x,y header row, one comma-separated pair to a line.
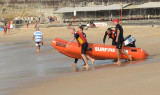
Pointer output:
x,y
35,26
55,18
49,19
27,25
39,19
76,60
119,41
92,25
69,24
38,36
82,41
5,29
9,27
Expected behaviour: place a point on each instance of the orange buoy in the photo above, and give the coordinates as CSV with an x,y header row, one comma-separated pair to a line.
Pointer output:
x,y
97,51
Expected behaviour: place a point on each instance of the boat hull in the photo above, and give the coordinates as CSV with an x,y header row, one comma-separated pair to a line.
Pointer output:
x,y
97,51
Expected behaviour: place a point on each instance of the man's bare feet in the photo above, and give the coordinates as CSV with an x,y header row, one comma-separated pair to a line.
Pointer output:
x,y
37,51
93,61
117,63
86,66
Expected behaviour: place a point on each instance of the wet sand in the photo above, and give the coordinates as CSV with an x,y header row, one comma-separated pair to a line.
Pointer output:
x,y
51,73
134,80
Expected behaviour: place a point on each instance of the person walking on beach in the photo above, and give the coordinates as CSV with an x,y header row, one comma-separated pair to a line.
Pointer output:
x,y
82,41
76,59
27,25
119,41
38,36
9,27
35,26
69,24
5,29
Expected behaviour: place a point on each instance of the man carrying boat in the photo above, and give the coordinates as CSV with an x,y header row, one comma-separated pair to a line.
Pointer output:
x,y
111,35
119,41
82,41
76,59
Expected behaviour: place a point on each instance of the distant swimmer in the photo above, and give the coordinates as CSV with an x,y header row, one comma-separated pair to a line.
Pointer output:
x,y
76,60
38,36
111,35
5,30
82,41
119,41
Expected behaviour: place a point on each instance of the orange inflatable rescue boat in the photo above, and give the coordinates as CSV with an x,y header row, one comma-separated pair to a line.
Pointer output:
x,y
97,51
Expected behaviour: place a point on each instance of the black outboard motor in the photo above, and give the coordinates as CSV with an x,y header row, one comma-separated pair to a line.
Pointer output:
x,y
130,41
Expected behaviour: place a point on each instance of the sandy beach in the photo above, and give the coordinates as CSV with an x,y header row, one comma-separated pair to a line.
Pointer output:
x,y
141,78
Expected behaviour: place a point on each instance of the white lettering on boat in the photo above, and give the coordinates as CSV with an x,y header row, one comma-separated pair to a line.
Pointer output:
x,y
107,49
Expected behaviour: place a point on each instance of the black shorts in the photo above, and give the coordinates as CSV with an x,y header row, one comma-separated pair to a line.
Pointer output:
x,y
113,42
119,45
84,48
